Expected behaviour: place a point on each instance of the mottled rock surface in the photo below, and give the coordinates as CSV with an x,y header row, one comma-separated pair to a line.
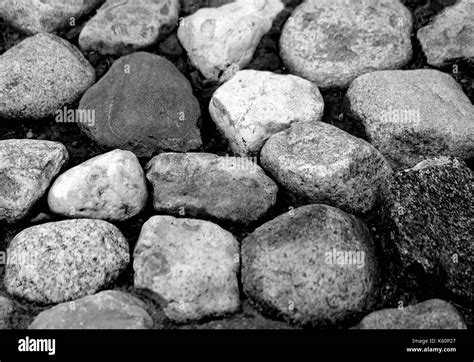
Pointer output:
x,y
254,105
105,310
6,311
143,104
27,168
411,115
64,260
191,6
191,264
40,75
291,268
111,186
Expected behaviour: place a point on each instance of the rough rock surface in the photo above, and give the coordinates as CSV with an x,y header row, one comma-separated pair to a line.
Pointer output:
x,y
292,267
64,260
44,16
331,42
191,264
205,185
109,309
121,27
40,75
6,311
254,105
450,35
431,314
27,168
144,105
220,41
111,186
411,115
191,6
320,163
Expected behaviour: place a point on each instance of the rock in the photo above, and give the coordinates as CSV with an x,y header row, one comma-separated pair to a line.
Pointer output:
x,y
144,105
431,314
64,260
410,115
40,75
27,168
254,105
121,27
428,224
6,312
331,42
314,266
44,16
191,6
109,309
191,264
222,40
111,186
319,163
450,35
204,185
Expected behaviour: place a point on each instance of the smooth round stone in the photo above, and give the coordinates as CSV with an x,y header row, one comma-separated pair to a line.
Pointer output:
x,y
27,168
6,312
121,27
64,260
319,163
254,105
205,185
144,105
450,35
431,314
313,266
331,42
411,115
111,186
40,75
191,264
109,309
44,16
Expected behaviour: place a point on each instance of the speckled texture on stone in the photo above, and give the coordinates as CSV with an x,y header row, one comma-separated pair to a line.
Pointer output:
x,y
27,168
428,222
206,185
254,105
431,314
191,264
111,186
6,312
105,310
331,42
319,163
144,105
40,75
411,115
121,27
220,41
450,35
38,16
287,274
64,260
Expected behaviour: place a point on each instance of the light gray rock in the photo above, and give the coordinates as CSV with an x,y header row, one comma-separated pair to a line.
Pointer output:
x,y
121,27
410,115
191,264
109,309
40,75
205,185
6,311
313,266
331,42
44,16
450,35
111,186
27,168
220,41
190,6
320,163
431,314
64,260
254,105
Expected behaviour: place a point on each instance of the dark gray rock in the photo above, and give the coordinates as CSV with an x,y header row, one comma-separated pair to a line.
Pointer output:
x,y
6,311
